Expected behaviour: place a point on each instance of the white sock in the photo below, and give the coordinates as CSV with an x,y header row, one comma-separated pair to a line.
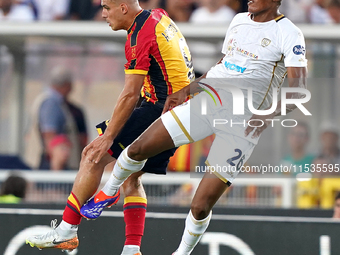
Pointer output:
x,y
193,232
66,229
130,249
123,168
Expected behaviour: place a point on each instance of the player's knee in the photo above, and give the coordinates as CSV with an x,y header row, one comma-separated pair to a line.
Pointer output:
x,y
200,211
135,152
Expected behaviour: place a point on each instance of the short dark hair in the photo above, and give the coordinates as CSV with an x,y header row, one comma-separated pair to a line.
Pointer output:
x,y
14,185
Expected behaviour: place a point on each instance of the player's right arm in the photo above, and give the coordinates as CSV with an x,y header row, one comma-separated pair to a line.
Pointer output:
x,y
297,78
126,102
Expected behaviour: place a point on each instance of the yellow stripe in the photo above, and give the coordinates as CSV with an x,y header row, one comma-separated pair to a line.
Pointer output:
x,y
99,130
279,17
73,201
181,126
271,82
121,146
135,200
217,174
134,71
121,167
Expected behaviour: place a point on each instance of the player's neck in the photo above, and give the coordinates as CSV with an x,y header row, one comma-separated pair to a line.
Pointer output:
x,y
265,16
134,13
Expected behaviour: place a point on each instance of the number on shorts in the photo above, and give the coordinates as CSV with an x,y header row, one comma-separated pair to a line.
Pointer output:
x,y
240,162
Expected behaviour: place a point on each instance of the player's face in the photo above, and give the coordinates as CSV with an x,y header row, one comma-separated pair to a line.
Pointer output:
x,y
113,14
261,6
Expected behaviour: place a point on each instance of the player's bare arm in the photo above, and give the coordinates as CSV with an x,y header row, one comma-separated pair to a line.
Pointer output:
x,y
297,78
126,102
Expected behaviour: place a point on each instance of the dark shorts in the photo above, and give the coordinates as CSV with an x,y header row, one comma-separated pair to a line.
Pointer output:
x,y
140,119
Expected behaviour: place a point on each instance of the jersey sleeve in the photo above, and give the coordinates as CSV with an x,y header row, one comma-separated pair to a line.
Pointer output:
x,y
294,48
138,56
225,43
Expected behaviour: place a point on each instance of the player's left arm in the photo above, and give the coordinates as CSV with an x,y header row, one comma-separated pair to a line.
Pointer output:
x,y
126,103
297,78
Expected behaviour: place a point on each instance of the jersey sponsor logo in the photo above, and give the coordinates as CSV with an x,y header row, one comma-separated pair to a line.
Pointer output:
x,y
265,42
299,50
246,53
234,67
170,32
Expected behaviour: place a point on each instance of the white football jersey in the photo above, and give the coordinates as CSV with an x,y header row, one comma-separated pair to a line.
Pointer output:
x,y
259,52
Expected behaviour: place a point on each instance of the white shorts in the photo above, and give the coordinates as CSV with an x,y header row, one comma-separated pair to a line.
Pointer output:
x,y
230,149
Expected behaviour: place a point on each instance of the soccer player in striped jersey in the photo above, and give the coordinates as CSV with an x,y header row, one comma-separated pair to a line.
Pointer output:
x,y
158,64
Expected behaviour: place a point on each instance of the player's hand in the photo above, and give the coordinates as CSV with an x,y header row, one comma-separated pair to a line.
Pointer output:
x,y
97,148
174,99
259,123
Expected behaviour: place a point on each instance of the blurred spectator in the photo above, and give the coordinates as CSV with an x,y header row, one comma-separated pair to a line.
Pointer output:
x,y
13,190
51,9
296,10
11,11
330,152
329,142
319,13
237,6
179,10
12,162
212,12
336,214
333,9
57,133
149,4
298,139
85,10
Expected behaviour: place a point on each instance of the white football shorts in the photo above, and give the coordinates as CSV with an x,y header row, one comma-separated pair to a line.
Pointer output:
x,y
230,149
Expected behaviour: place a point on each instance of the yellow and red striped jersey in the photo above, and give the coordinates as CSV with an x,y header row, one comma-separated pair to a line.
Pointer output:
x,y
156,48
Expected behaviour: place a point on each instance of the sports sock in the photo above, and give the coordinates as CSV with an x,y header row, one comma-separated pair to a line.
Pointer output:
x,y
130,249
121,171
134,217
193,232
66,229
71,213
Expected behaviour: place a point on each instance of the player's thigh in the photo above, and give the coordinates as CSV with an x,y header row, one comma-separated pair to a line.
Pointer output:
x,y
185,124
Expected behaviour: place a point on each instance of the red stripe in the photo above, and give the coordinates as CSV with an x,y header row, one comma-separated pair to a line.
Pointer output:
x,y
213,90
129,204
110,152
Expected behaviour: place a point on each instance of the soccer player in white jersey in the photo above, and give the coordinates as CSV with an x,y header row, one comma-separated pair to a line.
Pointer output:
x,y
261,47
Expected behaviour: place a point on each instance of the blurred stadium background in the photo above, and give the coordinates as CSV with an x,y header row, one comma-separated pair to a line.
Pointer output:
x,y
272,214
